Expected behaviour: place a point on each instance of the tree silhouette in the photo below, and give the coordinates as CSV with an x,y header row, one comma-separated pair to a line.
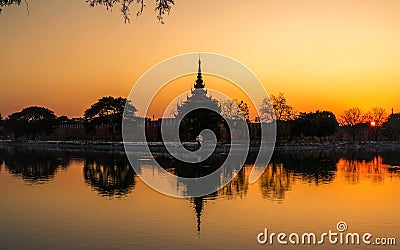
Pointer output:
x,y
162,7
5,3
244,108
391,128
235,110
276,108
109,111
351,119
229,109
319,123
63,120
32,122
376,117
325,123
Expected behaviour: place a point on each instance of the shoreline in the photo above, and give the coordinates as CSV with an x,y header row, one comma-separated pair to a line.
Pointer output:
x,y
158,147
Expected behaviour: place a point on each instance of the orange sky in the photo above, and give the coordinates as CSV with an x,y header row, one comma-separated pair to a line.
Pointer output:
x,y
329,55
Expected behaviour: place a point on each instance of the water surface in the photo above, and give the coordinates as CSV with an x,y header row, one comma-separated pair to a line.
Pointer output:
x,y
61,199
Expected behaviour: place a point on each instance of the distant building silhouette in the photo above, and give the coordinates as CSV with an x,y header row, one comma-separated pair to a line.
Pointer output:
x,y
199,97
198,112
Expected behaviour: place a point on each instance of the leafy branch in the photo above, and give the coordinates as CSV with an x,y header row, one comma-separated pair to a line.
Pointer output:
x,y
162,7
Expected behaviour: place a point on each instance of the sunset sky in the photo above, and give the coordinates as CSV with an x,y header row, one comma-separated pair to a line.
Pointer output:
x,y
329,55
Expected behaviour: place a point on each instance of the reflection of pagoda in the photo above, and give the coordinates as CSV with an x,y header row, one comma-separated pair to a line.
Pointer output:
x,y
199,96
198,204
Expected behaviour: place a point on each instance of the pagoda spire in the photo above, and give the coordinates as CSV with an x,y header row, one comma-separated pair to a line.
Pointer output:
x,y
199,71
199,81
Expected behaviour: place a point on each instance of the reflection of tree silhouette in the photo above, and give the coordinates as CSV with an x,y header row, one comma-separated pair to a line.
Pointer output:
x,y
109,174
238,186
359,155
275,182
390,157
355,171
367,164
351,171
312,167
35,166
